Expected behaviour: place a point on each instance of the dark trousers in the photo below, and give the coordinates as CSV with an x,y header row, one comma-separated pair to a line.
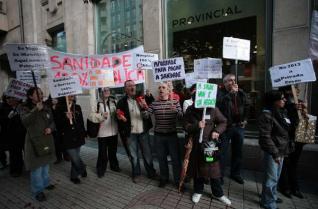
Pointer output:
x,y
78,167
168,144
58,146
198,185
3,157
236,136
288,177
107,149
16,159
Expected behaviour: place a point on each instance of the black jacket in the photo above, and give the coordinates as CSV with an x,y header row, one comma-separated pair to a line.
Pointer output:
x,y
274,138
225,102
72,136
125,127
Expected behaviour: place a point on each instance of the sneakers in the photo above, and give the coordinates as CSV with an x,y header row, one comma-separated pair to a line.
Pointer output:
x,y
196,197
225,200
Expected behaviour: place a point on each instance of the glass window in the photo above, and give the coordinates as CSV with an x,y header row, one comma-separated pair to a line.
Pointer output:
x,y
59,41
195,30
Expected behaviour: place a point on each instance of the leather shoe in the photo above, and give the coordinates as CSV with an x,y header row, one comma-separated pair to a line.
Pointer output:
x,y
238,179
162,183
116,169
40,197
278,200
298,194
286,193
50,187
76,181
84,174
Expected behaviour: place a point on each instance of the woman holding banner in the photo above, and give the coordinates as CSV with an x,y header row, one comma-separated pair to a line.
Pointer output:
x,y
70,125
39,148
204,164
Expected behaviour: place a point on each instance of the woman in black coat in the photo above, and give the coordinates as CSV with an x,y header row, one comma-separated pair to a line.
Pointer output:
x,y
72,135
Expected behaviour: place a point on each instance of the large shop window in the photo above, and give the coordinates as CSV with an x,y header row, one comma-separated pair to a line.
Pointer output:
x,y
195,29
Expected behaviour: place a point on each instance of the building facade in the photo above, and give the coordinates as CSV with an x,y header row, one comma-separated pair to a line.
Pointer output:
x,y
278,30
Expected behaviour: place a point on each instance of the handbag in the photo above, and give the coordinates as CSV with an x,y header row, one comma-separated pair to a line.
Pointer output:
x,y
92,127
306,129
41,145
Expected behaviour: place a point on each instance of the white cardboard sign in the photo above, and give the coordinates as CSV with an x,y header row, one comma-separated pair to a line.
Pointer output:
x,y
237,49
190,79
205,95
27,57
208,68
144,60
17,89
64,86
26,76
168,69
292,73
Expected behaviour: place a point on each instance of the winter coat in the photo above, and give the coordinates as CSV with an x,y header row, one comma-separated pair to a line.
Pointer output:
x,y
217,122
4,120
72,136
36,122
16,130
274,138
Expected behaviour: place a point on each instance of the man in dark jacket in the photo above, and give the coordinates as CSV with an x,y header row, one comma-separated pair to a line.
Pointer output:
x,y
233,104
133,130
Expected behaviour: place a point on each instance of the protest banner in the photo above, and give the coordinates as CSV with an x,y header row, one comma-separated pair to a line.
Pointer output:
x,y
236,49
313,38
64,86
292,73
144,60
168,69
88,66
205,95
26,57
190,79
17,89
26,76
208,68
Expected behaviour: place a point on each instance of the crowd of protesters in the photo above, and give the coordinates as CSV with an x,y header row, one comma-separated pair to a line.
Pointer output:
x,y
37,133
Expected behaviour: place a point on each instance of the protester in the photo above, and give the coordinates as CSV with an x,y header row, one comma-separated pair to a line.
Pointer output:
x,y
133,130
205,166
166,113
149,98
172,94
4,107
105,114
70,125
274,126
39,143
232,102
187,103
288,184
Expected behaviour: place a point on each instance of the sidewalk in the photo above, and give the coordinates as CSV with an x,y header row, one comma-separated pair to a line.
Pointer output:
x,y
116,190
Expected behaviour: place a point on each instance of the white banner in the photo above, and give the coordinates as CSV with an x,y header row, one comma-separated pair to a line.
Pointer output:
x,y
205,95
26,76
86,66
190,79
208,68
17,89
313,39
292,73
27,57
144,60
64,86
168,69
236,49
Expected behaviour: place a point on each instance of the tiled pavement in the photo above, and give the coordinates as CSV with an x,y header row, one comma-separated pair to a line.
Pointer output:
x,y
116,190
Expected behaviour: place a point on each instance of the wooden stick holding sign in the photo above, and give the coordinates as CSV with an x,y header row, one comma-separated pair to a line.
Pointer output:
x,y
202,129
68,108
35,85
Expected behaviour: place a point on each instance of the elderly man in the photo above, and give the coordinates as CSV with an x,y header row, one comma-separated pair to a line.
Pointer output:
x,y
233,103
133,130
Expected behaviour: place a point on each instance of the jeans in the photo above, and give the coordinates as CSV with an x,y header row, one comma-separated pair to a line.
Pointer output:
x,y
39,179
236,136
78,167
168,144
198,185
134,143
269,190
107,149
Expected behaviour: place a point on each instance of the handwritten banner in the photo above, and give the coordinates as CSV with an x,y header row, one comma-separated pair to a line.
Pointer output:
x,y
168,69
25,57
17,89
205,95
144,60
237,49
190,79
64,86
26,76
208,68
292,73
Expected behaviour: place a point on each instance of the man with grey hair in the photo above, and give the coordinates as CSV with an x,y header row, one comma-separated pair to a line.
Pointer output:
x,y
233,103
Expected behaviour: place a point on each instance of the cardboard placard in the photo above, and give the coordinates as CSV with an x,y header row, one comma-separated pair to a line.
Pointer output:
x,y
144,60
292,73
64,86
17,89
26,76
236,49
26,57
168,69
190,79
208,68
205,95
